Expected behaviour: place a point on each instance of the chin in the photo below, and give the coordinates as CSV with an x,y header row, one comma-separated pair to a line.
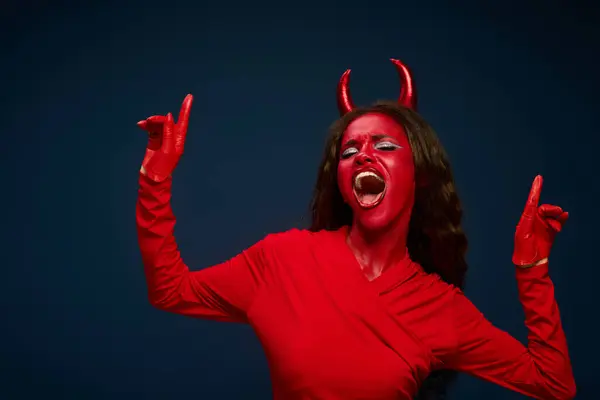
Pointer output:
x,y
372,219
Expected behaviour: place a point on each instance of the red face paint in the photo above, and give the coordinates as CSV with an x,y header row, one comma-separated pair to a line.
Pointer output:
x,y
376,172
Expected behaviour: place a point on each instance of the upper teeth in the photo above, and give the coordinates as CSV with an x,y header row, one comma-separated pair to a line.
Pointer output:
x,y
357,180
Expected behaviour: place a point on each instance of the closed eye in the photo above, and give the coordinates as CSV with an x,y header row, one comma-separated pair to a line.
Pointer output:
x,y
349,152
387,146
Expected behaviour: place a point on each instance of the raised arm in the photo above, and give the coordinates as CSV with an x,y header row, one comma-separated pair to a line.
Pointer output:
x,y
221,292
541,370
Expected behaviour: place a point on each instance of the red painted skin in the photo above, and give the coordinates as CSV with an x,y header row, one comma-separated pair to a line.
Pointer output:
x,y
332,331
375,142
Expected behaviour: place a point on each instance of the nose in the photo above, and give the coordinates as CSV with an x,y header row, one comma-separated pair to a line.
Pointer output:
x,y
363,158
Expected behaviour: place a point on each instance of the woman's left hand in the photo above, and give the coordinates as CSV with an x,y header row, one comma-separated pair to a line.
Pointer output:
x,y
537,229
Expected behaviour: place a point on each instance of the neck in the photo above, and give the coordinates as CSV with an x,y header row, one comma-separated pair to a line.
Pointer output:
x,y
379,250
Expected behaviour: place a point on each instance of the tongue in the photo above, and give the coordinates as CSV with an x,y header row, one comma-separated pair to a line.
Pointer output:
x,y
368,198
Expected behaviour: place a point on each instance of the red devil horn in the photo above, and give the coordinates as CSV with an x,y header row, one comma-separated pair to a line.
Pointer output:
x,y
408,94
345,104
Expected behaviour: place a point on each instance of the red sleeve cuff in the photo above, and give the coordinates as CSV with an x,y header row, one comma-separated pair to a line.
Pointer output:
x,y
536,272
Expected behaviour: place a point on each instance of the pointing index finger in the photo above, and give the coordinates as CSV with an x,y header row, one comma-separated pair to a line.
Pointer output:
x,y
184,113
535,192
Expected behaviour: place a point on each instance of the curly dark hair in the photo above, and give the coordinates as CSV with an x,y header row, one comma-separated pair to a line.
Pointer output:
x,y
435,240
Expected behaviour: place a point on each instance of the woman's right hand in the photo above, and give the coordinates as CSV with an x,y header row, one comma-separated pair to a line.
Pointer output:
x,y
166,140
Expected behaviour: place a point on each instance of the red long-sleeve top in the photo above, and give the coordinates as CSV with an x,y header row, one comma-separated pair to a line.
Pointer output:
x,y
329,333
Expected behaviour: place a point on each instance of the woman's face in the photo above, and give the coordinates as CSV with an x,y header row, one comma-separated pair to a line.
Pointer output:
x,y
376,171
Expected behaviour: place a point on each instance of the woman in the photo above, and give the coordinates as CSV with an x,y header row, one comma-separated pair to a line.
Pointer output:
x,y
367,303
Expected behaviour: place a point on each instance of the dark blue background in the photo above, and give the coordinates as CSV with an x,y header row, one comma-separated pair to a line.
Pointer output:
x,y
511,89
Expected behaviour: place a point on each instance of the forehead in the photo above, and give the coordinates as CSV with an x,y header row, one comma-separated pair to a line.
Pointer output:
x,y
374,124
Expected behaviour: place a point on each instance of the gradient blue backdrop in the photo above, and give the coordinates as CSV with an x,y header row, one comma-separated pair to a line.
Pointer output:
x,y
510,87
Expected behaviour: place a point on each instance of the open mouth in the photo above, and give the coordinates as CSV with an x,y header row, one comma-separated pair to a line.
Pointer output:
x,y
369,189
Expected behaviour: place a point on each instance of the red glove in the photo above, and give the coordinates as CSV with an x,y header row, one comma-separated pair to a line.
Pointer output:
x,y
166,142
537,228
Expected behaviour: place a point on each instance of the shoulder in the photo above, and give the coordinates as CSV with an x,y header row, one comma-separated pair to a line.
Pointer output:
x,y
433,283
294,244
299,237
289,237
464,312
447,299
288,251
454,297
285,242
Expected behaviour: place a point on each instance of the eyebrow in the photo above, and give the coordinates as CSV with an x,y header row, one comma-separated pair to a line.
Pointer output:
x,y
352,142
381,136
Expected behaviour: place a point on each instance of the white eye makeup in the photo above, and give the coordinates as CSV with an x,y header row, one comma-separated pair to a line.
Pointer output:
x,y
383,146
387,146
350,151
